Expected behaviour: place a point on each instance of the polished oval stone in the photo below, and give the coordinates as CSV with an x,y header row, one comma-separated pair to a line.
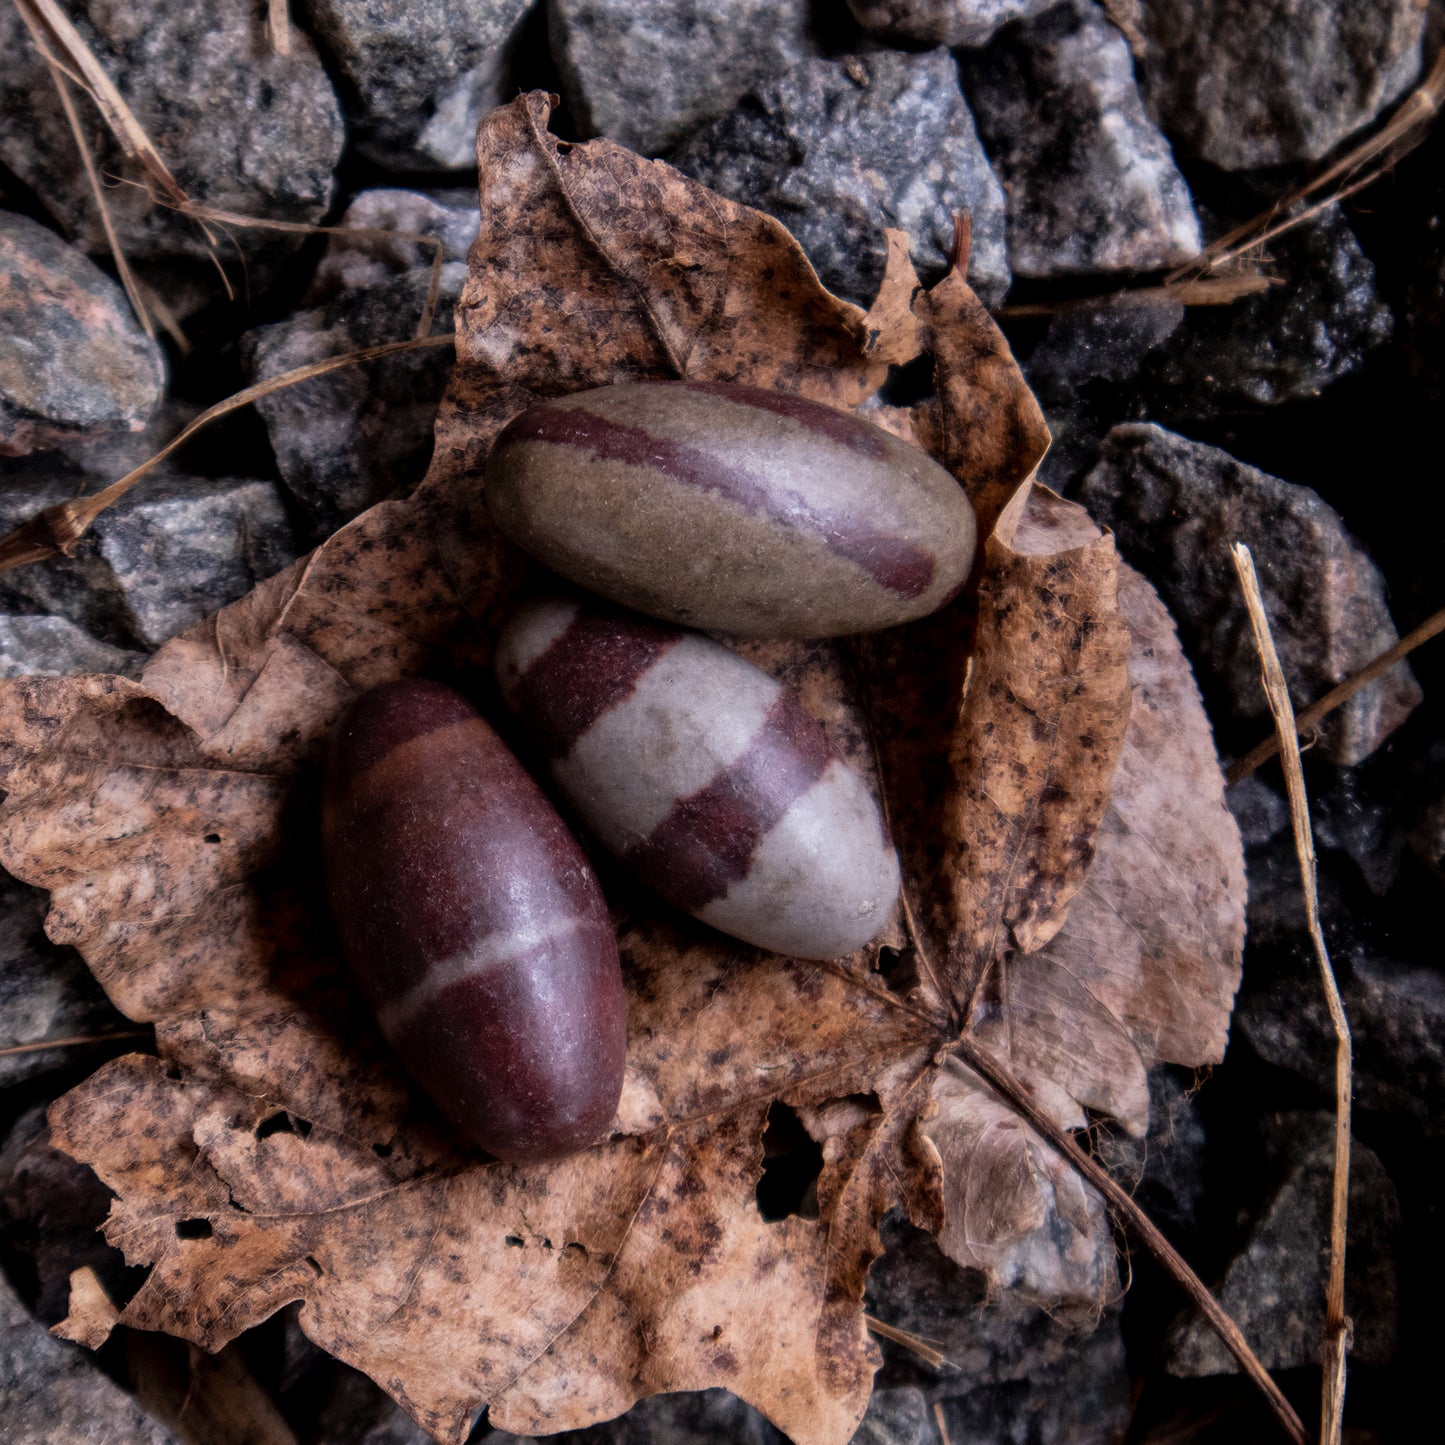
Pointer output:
x,y
474,923
703,775
732,509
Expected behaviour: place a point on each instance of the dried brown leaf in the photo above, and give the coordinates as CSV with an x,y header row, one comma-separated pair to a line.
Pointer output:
x,y
275,1152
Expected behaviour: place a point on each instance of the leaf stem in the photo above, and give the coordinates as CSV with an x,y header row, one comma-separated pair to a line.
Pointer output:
x,y
1017,1095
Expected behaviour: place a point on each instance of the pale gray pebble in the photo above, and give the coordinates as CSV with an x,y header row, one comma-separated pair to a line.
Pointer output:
x,y
1246,83
942,22
419,76
646,72
243,128
1091,183
1176,504
161,559
1274,1289
51,1392
347,440
838,150
352,263
74,361
36,645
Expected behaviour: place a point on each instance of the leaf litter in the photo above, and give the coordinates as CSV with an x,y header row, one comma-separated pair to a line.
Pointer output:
x,y
1075,889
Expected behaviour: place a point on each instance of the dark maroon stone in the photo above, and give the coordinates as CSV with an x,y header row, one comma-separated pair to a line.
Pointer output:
x,y
473,923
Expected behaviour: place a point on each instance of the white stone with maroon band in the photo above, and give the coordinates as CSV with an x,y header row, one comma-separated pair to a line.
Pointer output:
x,y
703,775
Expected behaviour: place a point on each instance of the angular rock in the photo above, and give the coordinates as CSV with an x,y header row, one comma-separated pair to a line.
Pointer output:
x,y
1177,505
347,440
1397,1023
73,360
50,1392
1347,818
1313,326
1092,186
1275,1288
46,992
241,127
1018,1373
942,22
646,72
170,553
701,1417
839,149
420,75
352,263
1427,837
40,646
1246,83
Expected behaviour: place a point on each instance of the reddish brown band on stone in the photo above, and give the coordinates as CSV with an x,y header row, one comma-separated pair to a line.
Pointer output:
x,y
891,561
706,843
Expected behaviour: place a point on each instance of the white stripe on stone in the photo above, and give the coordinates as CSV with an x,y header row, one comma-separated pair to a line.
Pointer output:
x,y
527,637
693,713
823,879
495,950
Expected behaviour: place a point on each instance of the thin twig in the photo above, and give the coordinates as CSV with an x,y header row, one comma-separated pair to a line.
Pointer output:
x,y
57,530
1202,291
1018,1096
1256,757
73,1042
50,19
278,25
1337,1323
941,1423
920,1346
62,89
1360,166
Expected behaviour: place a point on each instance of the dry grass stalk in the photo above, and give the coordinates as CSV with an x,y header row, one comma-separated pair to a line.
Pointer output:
x,y
1431,627
1359,167
73,1042
46,18
1200,291
57,530
1337,1323
59,77
941,1423
923,1348
1018,1096
278,26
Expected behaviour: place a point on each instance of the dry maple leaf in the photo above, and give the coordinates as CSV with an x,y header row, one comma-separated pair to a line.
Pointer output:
x,y
274,1151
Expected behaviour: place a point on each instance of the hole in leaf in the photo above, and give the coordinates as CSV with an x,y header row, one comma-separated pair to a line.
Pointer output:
x,y
382,1151
311,1260
212,838
278,1123
194,1229
516,1241
792,1161
908,385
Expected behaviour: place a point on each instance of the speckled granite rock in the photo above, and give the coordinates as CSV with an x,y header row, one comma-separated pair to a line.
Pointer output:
x,y
646,72
347,440
1018,1373
1175,505
46,992
171,553
33,644
419,74
942,22
51,1393
1091,183
73,360
352,263
1275,1288
242,128
1258,82
839,149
